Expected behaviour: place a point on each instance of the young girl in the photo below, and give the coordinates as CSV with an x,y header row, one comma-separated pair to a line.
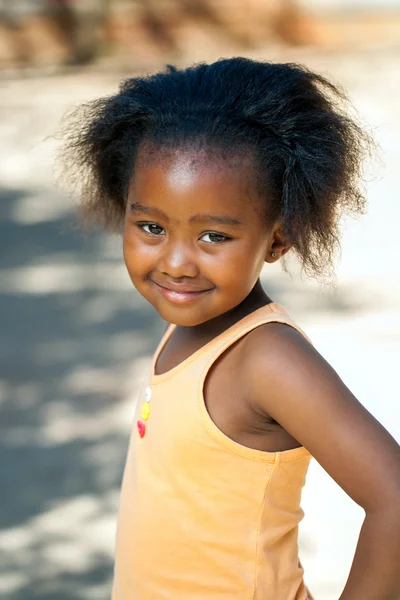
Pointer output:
x,y
212,172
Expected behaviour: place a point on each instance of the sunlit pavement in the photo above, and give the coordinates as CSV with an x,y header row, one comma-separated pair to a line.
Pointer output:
x,y
76,339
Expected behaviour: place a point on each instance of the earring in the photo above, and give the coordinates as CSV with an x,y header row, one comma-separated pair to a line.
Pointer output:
x,y
273,254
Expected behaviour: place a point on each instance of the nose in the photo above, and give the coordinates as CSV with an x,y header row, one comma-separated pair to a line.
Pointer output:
x,y
178,261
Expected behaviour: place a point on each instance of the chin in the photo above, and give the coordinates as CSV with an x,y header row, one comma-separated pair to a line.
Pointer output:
x,y
182,317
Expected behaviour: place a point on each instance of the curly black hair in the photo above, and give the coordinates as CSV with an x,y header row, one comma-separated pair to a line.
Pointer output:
x,y
308,151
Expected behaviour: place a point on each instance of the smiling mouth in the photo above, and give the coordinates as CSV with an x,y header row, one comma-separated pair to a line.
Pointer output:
x,y
179,296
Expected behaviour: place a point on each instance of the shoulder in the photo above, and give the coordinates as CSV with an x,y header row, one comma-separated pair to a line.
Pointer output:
x,y
284,332
285,375
275,347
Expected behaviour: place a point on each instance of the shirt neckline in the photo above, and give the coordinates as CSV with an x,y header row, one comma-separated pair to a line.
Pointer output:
x,y
157,378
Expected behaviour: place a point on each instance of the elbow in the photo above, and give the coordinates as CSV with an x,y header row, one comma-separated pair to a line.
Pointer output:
x,y
388,515
386,498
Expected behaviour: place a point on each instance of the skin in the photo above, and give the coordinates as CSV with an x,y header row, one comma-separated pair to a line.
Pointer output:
x,y
180,195
306,402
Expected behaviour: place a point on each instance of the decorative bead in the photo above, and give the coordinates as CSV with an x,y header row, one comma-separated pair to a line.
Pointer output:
x,y
147,394
145,411
141,428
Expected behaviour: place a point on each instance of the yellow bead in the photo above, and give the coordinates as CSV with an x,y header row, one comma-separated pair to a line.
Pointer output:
x,y
145,411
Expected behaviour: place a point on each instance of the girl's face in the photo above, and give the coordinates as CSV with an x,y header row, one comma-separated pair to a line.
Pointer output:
x,y
195,239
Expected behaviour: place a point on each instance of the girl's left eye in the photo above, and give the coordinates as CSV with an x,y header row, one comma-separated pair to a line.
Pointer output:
x,y
214,237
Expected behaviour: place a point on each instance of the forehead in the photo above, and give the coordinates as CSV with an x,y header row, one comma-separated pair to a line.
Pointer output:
x,y
179,180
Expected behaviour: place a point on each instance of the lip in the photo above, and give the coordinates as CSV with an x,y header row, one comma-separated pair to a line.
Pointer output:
x,y
177,295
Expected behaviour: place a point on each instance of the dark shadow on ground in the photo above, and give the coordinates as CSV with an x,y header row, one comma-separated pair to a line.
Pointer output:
x,y
51,352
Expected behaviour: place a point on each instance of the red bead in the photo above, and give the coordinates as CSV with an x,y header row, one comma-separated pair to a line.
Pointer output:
x,y
141,428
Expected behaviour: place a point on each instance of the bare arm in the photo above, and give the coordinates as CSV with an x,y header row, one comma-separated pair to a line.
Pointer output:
x,y
291,381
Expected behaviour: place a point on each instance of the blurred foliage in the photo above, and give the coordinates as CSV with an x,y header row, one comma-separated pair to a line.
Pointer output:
x,y
77,32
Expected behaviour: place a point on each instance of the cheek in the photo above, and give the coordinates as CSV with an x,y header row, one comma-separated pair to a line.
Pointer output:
x,y
240,264
137,256
128,248
250,253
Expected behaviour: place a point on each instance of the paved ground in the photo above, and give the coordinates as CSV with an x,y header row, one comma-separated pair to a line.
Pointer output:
x,y
75,338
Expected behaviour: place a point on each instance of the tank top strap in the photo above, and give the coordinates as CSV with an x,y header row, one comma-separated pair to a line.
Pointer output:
x,y
161,344
270,313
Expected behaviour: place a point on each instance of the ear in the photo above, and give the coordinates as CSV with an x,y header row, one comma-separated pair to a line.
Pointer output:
x,y
277,244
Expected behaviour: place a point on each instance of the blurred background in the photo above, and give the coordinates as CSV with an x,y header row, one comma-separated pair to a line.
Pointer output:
x,y
75,338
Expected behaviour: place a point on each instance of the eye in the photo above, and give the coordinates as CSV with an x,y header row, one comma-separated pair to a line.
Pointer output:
x,y
214,237
151,228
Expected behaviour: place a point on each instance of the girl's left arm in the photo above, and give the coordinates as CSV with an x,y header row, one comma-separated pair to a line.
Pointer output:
x,y
290,381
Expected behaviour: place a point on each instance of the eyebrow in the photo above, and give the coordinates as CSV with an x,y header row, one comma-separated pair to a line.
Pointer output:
x,y
149,210
218,219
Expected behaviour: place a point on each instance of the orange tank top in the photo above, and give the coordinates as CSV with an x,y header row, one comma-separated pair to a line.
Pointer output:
x,y
202,516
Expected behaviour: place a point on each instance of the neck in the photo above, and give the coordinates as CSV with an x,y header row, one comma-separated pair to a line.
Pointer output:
x,y
256,299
